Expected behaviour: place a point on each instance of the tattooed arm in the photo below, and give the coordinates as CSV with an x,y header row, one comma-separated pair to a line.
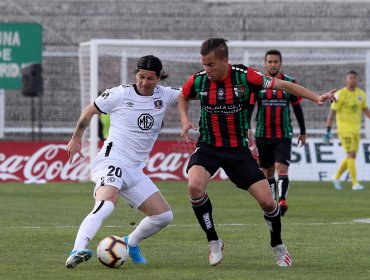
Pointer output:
x,y
74,145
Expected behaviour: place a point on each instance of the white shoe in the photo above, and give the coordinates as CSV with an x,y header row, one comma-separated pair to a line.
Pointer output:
x,y
336,183
282,256
215,251
78,256
357,187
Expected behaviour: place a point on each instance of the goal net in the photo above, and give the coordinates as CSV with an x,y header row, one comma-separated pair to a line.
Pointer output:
x,y
320,66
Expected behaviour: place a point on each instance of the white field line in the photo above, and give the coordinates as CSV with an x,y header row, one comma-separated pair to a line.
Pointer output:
x,y
362,221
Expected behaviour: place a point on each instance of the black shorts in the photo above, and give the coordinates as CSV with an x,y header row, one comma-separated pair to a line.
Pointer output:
x,y
238,164
273,150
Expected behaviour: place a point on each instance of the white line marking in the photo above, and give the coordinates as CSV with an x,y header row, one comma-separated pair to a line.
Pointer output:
x,y
362,221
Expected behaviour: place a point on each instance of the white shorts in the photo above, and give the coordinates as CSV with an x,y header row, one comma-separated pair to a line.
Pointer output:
x,y
135,186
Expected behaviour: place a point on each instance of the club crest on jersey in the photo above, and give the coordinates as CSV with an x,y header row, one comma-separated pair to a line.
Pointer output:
x,y
221,93
105,94
158,104
130,104
267,82
359,98
239,90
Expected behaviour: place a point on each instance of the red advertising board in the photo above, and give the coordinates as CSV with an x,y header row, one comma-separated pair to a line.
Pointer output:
x,y
41,162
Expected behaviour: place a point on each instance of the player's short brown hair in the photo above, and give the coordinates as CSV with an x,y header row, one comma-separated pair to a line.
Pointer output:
x,y
218,45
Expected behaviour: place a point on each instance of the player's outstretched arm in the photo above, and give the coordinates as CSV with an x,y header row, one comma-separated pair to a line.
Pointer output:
x,y
303,92
74,145
366,112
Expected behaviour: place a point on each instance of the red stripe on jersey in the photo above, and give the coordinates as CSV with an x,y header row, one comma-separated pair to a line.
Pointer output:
x,y
229,90
278,120
212,93
252,98
268,121
278,115
216,130
268,114
231,126
187,86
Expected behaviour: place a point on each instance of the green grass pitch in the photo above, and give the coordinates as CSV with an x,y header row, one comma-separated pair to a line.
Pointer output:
x,y
321,230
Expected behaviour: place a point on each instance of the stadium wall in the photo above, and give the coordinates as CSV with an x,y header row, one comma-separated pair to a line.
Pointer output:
x,y
67,23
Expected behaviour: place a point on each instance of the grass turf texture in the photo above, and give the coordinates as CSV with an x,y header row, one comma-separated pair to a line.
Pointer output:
x,y
39,224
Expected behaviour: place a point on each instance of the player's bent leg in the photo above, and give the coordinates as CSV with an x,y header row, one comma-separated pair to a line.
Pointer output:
x,y
159,216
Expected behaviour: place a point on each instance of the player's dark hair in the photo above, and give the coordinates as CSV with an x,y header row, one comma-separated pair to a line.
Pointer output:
x,y
274,52
151,63
353,72
218,45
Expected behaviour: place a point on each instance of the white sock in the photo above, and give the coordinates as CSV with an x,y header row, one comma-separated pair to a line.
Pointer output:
x,y
149,226
92,223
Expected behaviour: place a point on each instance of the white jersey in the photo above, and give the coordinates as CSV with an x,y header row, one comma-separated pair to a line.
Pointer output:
x,y
135,121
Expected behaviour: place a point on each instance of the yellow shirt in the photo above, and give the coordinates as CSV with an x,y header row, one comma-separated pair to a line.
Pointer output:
x,y
105,121
348,109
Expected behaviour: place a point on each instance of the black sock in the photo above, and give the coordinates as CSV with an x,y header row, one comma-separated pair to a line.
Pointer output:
x,y
283,185
272,183
274,225
203,211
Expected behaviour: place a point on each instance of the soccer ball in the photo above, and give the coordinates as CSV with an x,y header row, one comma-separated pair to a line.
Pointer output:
x,y
112,251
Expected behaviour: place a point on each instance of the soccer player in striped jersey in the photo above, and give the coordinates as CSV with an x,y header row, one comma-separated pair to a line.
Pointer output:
x,y
349,108
274,129
224,92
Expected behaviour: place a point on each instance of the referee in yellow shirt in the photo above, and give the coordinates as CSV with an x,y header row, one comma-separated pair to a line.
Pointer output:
x,y
351,102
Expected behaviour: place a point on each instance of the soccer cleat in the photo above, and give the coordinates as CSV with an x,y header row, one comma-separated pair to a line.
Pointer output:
x,y
357,187
78,256
336,183
135,253
282,256
283,207
215,251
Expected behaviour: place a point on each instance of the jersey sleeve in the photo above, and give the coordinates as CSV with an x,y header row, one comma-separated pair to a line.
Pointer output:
x,y
188,90
336,105
364,102
257,78
108,101
172,94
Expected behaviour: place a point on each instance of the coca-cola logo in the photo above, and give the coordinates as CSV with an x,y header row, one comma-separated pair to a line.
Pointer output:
x,y
45,164
172,166
40,163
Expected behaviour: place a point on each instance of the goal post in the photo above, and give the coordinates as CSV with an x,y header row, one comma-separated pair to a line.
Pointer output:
x,y
318,65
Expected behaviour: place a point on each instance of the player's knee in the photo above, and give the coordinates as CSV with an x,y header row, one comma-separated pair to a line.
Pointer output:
x,y
162,219
268,205
196,189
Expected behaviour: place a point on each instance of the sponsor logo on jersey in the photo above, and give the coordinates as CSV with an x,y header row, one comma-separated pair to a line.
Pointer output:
x,y
130,104
203,93
145,121
158,104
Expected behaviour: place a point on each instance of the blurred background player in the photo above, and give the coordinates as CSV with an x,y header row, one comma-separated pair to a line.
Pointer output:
x,y
224,93
351,102
137,112
274,129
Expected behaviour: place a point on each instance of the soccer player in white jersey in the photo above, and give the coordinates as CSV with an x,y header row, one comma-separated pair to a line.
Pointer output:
x,y
137,113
